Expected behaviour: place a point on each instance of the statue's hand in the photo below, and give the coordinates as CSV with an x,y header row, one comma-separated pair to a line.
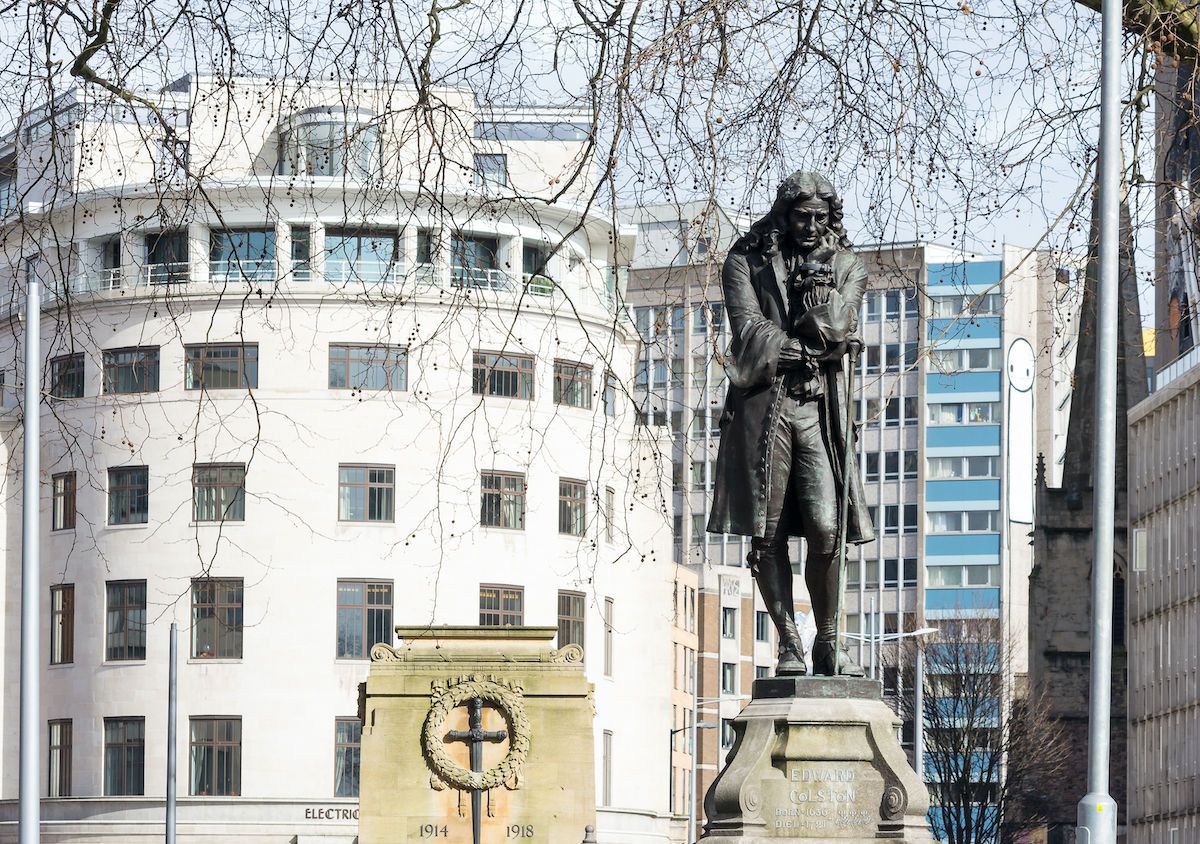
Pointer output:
x,y
793,356
834,352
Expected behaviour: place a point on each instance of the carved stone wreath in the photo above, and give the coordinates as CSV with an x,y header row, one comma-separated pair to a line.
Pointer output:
x,y
448,695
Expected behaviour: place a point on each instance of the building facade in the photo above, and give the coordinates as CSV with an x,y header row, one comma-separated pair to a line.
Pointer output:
x,y
1164,609
299,390
965,376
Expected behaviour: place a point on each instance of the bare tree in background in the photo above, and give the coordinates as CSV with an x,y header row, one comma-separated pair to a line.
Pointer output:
x,y
991,751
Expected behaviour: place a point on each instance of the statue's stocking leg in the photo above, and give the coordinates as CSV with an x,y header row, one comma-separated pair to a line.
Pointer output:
x,y
821,577
773,574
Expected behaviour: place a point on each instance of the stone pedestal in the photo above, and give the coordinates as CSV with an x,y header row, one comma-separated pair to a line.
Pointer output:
x,y
477,734
817,759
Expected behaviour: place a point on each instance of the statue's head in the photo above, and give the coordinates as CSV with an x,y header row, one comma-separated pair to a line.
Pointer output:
x,y
807,212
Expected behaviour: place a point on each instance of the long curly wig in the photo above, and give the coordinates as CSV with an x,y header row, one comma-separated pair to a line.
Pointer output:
x,y
767,233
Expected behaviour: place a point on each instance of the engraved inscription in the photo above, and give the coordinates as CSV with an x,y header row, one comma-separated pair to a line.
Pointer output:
x,y
828,799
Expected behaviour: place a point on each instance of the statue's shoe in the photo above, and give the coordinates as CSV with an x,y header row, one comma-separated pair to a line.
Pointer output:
x,y
823,661
791,663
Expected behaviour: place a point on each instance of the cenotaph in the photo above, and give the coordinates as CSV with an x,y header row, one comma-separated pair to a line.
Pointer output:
x,y
476,735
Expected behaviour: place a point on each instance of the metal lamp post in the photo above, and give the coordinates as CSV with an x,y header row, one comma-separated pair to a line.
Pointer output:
x,y
29,811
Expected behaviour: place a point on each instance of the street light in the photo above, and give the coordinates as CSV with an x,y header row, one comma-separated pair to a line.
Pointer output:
x,y
918,686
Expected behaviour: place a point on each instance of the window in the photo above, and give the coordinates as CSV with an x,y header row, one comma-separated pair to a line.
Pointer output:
x,y
362,255
872,302
167,259
982,520
891,413
910,518
983,467
62,510
366,493
474,262
871,574
216,618
872,465
368,367
509,376
911,356
610,513
364,617
891,679
491,168
125,620
124,757
728,678
911,410
874,357
219,492
62,624
242,255
891,518
501,606
853,574
910,572
59,767
982,411
347,756
762,626
762,672
301,253
573,384
891,574
891,357
610,394
570,618
502,500
535,262
572,507
66,376
910,464
963,467
891,466
216,750
606,769
728,623
892,304
608,637
131,370
727,734
229,366
328,145
128,495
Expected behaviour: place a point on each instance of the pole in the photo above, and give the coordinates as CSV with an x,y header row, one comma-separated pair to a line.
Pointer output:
x,y
172,697
691,833
871,641
1097,811
919,715
849,463
29,812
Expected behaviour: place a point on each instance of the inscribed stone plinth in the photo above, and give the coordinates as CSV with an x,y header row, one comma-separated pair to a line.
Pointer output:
x,y
817,759
533,777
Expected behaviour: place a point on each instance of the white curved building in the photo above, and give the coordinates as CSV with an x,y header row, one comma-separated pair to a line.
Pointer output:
x,y
319,361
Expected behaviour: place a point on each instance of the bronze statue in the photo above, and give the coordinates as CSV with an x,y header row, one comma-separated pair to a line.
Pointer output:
x,y
793,288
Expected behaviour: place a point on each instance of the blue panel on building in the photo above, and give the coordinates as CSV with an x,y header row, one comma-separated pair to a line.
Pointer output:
x,y
962,545
959,276
962,599
962,436
947,330
984,490
938,385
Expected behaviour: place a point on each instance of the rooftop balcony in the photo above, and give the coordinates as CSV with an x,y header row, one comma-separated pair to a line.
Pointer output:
x,y
337,276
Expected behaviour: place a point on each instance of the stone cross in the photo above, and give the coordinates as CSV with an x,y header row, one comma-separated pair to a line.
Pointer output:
x,y
474,738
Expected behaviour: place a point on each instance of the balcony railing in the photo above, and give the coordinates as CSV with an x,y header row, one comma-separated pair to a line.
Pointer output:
x,y
177,272
341,271
478,278
538,285
256,271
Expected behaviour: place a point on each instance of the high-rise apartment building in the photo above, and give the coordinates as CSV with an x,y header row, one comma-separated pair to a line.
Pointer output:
x,y
964,378
304,383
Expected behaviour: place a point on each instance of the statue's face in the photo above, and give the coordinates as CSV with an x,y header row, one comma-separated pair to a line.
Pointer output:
x,y
808,221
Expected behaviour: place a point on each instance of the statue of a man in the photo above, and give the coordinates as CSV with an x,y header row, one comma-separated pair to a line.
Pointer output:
x,y
793,288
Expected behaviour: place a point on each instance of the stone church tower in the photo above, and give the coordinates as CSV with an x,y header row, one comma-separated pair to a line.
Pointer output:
x,y
1060,584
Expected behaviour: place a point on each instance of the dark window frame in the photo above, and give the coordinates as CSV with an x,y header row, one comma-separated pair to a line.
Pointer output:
x,y
367,626
201,362
379,494
126,491
229,476
62,624
347,757
572,507
67,374
130,745
125,640
502,375
499,613
573,384
572,618
140,364
496,489
215,746
390,361
59,750
63,506
227,616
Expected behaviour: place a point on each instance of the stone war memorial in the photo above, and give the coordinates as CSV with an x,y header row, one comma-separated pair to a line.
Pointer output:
x,y
815,758
477,734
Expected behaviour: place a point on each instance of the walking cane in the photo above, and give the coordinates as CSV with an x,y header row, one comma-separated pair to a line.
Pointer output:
x,y
849,464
